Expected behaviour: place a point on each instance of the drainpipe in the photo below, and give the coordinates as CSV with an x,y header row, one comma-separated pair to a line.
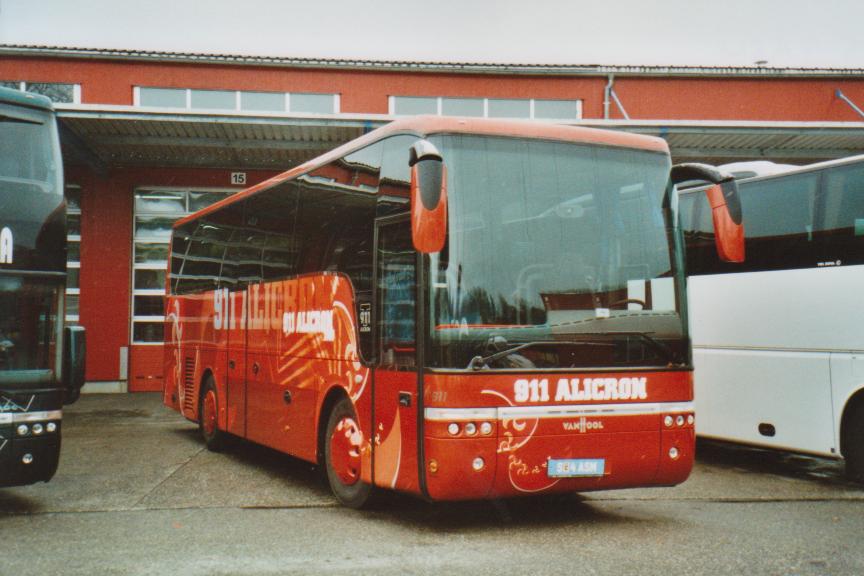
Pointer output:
x,y
606,93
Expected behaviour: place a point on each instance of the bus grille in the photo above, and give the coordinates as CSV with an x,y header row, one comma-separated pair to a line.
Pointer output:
x,y
189,384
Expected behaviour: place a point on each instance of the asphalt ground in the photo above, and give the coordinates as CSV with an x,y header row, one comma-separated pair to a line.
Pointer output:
x,y
137,493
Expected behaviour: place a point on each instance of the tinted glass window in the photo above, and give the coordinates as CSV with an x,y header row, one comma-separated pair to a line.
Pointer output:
x,y
163,97
214,99
839,232
263,101
410,105
315,103
778,226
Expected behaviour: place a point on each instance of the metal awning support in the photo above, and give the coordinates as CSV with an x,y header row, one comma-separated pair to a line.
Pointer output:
x,y
609,92
846,99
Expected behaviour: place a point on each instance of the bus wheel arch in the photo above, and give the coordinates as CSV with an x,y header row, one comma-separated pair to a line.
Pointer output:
x,y
340,446
852,436
208,413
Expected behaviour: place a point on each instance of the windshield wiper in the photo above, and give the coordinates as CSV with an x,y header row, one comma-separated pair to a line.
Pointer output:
x,y
479,362
652,342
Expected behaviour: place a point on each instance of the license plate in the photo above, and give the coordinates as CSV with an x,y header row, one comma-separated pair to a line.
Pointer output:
x,y
574,468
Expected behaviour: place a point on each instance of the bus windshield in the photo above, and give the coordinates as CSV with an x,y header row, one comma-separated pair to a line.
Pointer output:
x,y
29,323
559,255
27,155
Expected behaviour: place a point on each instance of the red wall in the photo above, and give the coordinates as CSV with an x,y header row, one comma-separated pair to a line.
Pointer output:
x,y
715,98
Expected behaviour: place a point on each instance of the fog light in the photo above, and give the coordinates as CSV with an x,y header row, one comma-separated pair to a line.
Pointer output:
x,y
680,420
486,428
453,429
470,428
38,429
478,464
667,421
433,466
51,427
27,459
690,419
23,430
673,453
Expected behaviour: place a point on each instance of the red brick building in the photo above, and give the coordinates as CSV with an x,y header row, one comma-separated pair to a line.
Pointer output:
x,y
148,137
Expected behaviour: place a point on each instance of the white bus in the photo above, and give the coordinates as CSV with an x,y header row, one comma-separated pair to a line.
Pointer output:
x,y
778,342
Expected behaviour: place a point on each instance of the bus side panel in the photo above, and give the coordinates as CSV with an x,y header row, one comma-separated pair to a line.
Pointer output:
x,y
301,342
763,360
396,430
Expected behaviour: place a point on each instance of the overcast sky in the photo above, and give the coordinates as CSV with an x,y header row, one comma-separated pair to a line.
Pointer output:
x,y
808,33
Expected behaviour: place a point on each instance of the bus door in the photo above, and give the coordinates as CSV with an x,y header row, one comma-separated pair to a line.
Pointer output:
x,y
396,389
235,400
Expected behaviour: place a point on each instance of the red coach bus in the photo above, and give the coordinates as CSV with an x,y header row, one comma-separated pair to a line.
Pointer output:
x,y
452,308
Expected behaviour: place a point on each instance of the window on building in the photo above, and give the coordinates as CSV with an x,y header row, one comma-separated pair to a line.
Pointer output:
x,y
528,108
73,253
156,210
238,100
57,92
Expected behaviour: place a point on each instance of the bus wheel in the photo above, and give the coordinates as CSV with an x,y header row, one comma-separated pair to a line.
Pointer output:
x,y
854,445
208,410
343,444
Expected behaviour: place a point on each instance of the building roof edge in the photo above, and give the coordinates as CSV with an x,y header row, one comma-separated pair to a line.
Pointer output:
x,y
421,66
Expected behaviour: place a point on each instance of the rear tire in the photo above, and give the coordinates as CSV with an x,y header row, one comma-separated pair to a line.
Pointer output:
x,y
854,444
342,457
208,417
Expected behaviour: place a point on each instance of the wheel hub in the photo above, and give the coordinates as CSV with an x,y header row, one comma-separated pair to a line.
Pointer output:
x,y
345,445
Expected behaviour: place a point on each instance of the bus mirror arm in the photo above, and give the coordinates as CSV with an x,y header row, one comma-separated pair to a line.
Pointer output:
x,y
74,346
725,202
428,198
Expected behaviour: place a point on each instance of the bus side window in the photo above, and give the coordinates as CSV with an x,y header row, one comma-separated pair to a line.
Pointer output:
x,y
336,224
839,235
394,189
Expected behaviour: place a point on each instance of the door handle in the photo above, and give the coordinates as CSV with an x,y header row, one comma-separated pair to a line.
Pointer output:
x,y
231,364
255,368
405,399
287,397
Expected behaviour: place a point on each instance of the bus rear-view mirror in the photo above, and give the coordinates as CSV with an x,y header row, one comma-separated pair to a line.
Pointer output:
x,y
725,205
428,198
74,347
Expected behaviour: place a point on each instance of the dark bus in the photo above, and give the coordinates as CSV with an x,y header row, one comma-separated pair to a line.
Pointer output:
x,y
41,362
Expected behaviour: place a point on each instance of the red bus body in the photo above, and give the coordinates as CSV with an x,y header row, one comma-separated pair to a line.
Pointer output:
x,y
281,353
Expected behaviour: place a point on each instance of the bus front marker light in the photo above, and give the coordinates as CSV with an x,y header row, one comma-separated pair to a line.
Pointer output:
x,y
27,458
486,428
690,419
51,427
453,428
23,430
673,453
38,429
470,429
478,464
667,421
679,420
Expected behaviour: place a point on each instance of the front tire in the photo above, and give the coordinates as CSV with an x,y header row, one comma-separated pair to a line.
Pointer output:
x,y
343,444
854,444
208,417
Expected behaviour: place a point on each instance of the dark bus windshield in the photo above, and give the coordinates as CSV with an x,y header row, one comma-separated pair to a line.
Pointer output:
x,y
29,323
27,156
559,255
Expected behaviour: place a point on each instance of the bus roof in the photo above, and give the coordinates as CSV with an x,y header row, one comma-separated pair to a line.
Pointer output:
x,y
790,172
19,98
424,126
